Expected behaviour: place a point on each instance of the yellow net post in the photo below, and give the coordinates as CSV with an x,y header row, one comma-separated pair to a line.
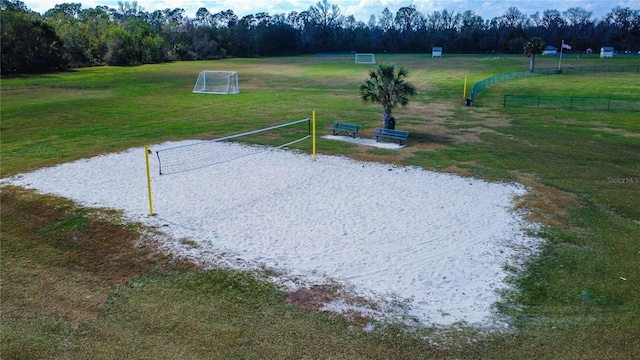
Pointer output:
x,y
313,135
146,155
464,92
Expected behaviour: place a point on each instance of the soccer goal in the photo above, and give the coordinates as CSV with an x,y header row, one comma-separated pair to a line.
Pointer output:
x,y
365,59
217,82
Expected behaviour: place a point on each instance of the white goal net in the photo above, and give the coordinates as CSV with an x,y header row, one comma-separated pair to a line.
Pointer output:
x,y
217,82
365,59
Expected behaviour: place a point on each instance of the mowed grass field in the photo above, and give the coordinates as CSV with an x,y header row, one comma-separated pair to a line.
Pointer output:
x,y
83,283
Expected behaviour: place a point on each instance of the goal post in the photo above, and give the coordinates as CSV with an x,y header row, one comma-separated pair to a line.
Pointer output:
x,y
365,58
217,82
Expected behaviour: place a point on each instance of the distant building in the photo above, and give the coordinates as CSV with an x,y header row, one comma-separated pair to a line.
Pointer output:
x,y
550,50
606,52
436,51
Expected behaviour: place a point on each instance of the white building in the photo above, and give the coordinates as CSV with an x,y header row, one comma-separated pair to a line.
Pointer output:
x,y
606,52
550,50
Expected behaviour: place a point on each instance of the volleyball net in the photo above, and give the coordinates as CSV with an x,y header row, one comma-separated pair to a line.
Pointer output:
x,y
205,153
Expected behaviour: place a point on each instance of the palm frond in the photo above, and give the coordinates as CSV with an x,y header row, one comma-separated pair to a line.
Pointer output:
x,y
387,87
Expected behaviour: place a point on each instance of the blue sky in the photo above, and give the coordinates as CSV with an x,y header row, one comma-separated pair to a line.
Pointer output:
x,y
360,9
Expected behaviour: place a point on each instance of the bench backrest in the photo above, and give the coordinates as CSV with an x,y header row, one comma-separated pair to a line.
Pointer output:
x,y
340,125
383,131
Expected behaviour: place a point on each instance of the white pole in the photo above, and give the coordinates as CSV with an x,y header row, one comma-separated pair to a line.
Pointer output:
x,y
560,61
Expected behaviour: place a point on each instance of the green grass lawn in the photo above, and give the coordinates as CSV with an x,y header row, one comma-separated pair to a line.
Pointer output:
x,y
79,282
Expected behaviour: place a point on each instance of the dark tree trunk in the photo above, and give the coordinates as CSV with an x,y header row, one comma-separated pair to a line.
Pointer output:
x,y
388,121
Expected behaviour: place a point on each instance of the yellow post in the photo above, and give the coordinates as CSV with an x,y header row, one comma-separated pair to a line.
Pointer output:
x,y
146,155
313,134
464,94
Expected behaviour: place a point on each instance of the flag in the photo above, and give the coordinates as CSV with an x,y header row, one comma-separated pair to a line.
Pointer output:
x,y
566,46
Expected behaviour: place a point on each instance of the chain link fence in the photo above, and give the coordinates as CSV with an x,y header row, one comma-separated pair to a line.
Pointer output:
x,y
602,69
571,103
481,85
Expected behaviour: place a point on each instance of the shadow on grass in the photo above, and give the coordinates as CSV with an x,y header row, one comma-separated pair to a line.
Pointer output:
x,y
428,138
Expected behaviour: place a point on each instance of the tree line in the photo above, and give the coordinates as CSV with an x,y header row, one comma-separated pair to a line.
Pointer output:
x,y
70,36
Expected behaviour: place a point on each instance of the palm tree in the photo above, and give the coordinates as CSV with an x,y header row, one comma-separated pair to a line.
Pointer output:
x,y
388,89
533,47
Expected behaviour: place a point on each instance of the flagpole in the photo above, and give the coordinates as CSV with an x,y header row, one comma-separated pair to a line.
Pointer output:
x,y
560,61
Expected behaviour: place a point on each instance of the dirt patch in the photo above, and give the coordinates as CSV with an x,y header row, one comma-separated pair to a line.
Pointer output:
x,y
545,205
432,111
314,297
457,170
66,260
619,132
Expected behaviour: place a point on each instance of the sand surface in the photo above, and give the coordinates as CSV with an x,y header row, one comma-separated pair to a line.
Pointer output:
x,y
424,246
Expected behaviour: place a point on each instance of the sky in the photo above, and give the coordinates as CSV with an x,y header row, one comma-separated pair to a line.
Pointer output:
x,y
360,9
